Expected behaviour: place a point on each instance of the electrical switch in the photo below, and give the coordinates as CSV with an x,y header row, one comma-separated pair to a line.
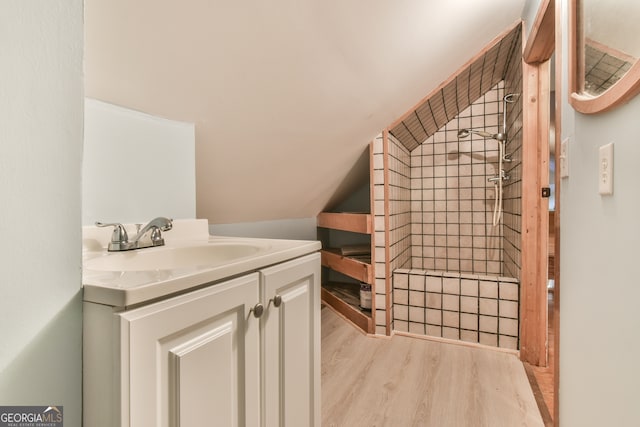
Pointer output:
x,y
605,170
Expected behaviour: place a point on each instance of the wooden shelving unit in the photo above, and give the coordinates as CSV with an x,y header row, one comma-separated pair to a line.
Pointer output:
x,y
346,221
346,265
345,297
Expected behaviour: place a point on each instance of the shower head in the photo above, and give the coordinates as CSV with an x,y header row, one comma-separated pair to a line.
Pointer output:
x,y
463,133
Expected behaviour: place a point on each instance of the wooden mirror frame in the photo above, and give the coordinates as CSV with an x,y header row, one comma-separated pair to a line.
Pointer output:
x,y
621,92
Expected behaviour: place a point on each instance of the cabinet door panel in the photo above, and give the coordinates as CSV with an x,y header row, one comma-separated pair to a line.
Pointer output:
x,y
291,343
201,376
193,359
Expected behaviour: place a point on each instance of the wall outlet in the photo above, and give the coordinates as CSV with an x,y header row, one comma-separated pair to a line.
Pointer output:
x,y
605,170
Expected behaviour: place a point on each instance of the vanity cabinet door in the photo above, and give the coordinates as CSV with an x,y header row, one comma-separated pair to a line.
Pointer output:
x,y
193,360
291,343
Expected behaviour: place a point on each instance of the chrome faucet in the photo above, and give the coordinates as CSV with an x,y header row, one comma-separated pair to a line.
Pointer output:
x,y
153,230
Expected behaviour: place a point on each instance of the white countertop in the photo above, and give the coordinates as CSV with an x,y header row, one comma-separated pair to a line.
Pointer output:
x,y
128,286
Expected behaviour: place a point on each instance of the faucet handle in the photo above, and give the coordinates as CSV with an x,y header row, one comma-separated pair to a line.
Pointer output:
x,y
119,234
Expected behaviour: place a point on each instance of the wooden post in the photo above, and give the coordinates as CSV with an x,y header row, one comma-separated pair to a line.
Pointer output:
x,y
535,214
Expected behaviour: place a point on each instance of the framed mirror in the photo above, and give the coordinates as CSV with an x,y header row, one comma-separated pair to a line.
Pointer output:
x,y
604,70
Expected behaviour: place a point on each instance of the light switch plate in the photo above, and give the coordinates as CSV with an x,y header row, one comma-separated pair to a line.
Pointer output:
x,y
605,170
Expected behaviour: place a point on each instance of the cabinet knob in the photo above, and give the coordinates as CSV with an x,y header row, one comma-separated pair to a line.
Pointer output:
x,y
257,310
277,301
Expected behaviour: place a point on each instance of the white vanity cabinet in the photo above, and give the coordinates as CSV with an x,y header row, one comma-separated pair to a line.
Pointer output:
x,y
290,343
203,358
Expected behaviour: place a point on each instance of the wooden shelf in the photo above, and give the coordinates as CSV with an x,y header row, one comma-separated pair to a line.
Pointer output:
x,y
345,299
351,267
354,222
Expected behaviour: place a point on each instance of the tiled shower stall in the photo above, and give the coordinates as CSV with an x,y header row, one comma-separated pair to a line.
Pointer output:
x,y
442,268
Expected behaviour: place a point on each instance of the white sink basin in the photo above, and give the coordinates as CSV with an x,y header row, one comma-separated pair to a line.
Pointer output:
x,y
170,258
189,259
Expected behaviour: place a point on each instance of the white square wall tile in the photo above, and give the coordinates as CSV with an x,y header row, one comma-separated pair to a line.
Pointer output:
x,y
434,331
434,284
488,289
434,300
401,312
451,285
488,306
450,333
377,144
508,309
508,342
508,326
381,318
416,282
469,287
381,270
378,177
434,317
451,302
451,318
378,192
378,161
509,291
400,281
416,298
489,324
401,326
400,296
488,339
416,328
416,314
469,336
469,321
469,305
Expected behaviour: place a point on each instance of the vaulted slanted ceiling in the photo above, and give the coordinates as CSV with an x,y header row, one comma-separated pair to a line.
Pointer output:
x,y
285,95
464,88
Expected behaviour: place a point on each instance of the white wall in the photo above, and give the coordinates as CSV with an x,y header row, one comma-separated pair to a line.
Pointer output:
x,y
529,12
295,229
136,166
41,97
600,320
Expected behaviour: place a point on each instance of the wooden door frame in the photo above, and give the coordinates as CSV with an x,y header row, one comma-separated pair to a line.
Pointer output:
x,y
541,44
535,215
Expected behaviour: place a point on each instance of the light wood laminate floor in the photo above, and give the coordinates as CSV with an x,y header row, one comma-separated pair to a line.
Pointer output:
x,y
406,381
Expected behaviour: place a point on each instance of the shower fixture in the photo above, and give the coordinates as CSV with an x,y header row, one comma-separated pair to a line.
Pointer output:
x,y
501,137
455,155
463,133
